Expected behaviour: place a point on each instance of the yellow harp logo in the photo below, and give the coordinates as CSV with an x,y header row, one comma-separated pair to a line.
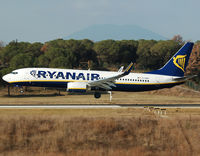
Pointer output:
x,y
179,61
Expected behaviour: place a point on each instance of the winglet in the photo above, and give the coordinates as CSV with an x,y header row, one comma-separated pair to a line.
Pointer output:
x,y
128,69
121,69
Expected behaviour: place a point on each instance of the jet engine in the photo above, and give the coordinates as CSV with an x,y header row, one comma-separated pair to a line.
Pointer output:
x,y
77,87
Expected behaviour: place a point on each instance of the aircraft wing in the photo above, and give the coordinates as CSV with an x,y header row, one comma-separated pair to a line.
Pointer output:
x,y
109,82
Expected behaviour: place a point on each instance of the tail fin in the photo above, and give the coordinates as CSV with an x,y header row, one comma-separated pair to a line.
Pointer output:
x,y
176,66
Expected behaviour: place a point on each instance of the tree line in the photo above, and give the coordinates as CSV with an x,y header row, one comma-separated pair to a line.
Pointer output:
x,y
106,54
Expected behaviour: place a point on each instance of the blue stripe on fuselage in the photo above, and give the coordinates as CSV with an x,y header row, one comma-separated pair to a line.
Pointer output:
x,y
119,87
143,87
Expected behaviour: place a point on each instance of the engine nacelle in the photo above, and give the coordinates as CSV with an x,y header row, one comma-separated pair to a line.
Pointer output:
x,y
77,87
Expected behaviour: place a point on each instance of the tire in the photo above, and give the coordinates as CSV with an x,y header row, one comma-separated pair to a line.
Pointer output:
x,y
97,95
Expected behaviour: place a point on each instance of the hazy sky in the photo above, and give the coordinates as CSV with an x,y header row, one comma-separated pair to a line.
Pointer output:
x,y
44,20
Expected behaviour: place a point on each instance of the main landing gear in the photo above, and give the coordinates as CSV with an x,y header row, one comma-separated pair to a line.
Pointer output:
x,y
97,95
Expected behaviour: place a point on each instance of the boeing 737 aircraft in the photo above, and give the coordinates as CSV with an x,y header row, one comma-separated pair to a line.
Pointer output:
x,y
171,74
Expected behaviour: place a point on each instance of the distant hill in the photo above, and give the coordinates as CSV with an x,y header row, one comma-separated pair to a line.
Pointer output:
x,y
115,32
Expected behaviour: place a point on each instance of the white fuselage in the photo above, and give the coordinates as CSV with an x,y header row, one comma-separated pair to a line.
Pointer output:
x,y
52,77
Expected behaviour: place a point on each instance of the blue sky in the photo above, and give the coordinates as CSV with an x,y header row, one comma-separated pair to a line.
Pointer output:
x,y
44,20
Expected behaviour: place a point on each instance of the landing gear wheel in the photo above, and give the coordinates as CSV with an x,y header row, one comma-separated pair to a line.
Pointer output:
x,y
97,95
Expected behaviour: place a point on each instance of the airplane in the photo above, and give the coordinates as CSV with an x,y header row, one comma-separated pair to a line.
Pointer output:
x,y
171,74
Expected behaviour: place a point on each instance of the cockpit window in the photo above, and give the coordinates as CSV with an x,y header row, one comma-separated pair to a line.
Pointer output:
x,y
14,73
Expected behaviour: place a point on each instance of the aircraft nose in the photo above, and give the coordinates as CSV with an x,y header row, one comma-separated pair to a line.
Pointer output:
x,y
6,78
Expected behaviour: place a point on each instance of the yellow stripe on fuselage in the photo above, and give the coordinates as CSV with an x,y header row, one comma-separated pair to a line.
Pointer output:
x,y
149,83
48,81
78,88
88,81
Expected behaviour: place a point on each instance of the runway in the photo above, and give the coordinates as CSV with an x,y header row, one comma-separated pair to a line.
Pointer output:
x,y
97,106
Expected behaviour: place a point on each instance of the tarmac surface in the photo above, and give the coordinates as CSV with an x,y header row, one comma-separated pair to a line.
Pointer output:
x,y
92,106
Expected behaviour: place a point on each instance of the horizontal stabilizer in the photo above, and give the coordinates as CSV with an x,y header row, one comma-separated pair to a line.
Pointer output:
x,y
184,78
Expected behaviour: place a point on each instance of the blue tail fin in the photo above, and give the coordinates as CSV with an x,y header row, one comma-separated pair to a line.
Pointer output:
x,y
176,66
